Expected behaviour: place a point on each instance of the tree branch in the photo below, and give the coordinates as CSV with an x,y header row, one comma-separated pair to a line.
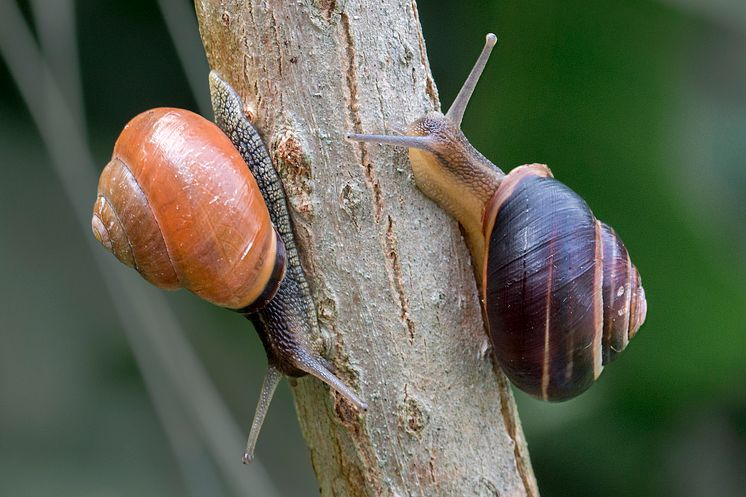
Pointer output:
x,y
389,272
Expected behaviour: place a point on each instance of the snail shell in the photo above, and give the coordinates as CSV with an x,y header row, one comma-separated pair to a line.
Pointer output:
x,y
561,295
177,203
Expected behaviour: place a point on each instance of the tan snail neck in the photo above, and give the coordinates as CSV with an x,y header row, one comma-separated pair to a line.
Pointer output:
x,y
450,171
446,167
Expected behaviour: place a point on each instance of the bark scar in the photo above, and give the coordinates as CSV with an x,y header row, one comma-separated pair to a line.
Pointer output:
x,y
327,8
392,254
354,106
508,416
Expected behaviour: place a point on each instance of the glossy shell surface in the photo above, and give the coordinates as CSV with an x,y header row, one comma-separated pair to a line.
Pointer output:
x,y
561,294
178,203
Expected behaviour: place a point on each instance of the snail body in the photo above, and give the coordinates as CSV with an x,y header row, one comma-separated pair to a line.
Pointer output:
x,y
560,294
178,203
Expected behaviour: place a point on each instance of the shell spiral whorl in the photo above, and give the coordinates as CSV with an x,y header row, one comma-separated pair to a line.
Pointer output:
x,y
562,296
177,203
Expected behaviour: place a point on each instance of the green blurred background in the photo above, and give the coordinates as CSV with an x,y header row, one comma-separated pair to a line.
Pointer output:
x,y
639,105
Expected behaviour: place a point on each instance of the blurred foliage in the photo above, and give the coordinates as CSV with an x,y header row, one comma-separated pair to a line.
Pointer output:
x,y
638,105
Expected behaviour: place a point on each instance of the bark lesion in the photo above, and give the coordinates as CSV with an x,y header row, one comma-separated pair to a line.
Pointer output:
x,y
355,118
392,254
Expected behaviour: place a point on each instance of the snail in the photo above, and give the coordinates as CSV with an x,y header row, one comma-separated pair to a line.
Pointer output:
x,y
559,292
178,203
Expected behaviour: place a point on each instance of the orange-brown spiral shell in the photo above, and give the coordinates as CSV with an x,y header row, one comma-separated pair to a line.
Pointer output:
x,y
178,203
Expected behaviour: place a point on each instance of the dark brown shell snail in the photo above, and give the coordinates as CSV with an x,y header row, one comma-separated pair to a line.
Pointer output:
x,y
560,293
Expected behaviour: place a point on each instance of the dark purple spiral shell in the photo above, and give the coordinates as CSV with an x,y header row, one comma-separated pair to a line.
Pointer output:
x,y
562,297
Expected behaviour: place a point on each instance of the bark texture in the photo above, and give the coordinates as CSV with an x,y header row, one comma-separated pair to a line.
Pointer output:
x,y
390,275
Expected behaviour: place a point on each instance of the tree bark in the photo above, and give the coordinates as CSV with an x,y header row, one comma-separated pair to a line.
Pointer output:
x,y
390,275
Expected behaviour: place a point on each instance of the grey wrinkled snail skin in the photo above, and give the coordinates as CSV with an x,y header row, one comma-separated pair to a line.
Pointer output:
x,y
285,323
178,203
560,293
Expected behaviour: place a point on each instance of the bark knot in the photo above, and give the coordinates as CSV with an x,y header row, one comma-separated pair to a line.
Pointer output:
x,y
294,166
413,415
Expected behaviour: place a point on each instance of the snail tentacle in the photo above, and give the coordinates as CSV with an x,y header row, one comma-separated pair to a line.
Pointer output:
x,y
269,385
